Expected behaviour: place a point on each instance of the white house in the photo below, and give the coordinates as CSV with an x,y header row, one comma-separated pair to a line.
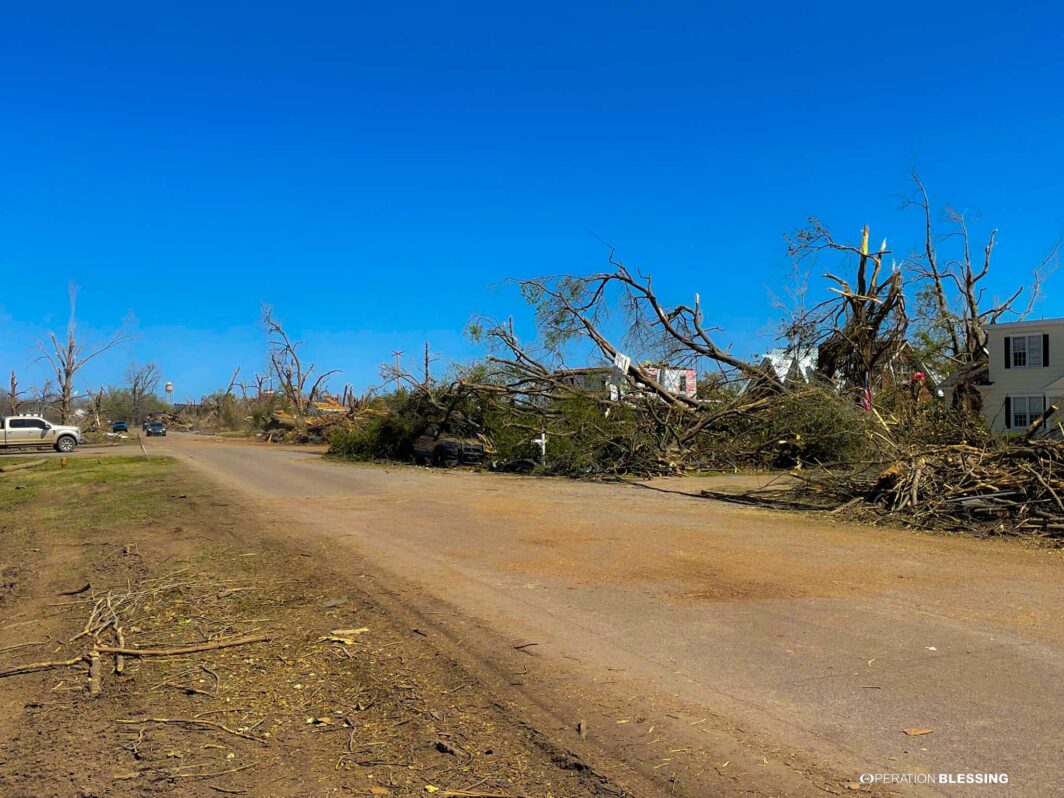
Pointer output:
x,y
1025,372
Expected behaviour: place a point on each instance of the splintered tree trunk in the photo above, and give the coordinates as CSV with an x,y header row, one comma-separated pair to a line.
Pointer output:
x,y
97,403
66,405
1038,423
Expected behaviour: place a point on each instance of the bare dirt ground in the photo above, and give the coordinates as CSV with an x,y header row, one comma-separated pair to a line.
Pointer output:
x,y
343,698
703,649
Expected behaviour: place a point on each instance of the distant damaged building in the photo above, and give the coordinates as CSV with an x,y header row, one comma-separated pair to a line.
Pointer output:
x,y
789,366
680,381
619,380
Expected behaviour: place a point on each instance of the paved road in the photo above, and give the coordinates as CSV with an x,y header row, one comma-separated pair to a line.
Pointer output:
x,y
797,648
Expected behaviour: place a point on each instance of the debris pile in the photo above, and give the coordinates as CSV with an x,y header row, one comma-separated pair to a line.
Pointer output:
x,y
105,620
182,421
283,426
1015,488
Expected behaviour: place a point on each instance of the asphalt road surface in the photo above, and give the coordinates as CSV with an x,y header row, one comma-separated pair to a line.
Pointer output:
x,y
719,650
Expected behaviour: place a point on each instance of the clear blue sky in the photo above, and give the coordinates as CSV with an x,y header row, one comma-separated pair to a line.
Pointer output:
x,y
371,169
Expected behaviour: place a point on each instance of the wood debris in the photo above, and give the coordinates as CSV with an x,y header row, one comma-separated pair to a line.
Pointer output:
x,y
1015,488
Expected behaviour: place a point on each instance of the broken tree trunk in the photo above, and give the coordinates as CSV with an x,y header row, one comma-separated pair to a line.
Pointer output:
x,y
1038,423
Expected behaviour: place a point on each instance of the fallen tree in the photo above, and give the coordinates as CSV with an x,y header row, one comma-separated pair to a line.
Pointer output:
x,y
1014,489
594,386
978,483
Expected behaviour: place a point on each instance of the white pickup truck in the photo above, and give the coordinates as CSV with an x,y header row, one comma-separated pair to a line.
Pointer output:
x,y
27,431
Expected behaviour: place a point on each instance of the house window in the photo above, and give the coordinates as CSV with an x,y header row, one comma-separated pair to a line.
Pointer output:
x,y
1025,409
1027,351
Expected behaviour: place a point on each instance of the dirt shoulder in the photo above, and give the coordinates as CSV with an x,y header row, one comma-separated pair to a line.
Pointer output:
x,y
342,697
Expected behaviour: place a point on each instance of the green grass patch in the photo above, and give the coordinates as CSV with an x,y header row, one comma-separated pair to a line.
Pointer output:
x,y
103,492
10,461
100,439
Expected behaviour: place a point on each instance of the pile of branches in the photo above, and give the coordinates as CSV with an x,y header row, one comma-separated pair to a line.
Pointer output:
x,y
282,425
182,421
105,633
1014,487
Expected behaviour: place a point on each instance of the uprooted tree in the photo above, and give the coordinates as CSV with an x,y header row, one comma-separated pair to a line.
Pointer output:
x,y
597,318
603,411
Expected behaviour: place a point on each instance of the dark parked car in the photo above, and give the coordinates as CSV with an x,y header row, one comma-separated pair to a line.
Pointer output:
x,y
155,428
433,448
521,465
119,426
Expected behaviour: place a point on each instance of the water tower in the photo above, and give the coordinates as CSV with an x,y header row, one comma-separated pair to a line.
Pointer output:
x,y
169,388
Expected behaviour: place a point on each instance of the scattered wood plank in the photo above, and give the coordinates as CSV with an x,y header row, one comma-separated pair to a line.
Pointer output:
x,y
21,466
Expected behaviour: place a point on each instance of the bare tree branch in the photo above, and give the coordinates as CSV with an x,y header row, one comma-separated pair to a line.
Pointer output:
x,y
69,356
291,372
143,380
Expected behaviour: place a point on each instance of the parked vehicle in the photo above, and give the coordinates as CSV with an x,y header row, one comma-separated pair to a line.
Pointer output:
x,y
521,465
433,448
155,428
34,431
119,426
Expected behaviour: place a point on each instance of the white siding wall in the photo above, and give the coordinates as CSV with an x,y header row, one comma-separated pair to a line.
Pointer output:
x,y
1021,381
